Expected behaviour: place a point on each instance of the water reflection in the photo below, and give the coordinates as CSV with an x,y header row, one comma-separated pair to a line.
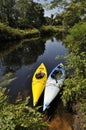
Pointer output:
x,y
22,59
23,55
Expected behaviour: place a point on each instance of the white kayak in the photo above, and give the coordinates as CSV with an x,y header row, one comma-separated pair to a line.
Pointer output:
x,y
53,85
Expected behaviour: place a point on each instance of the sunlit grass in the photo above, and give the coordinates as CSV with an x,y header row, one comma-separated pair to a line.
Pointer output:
x,y
8,33
7,79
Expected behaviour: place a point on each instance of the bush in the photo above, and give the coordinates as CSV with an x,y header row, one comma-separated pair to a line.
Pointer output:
x,y
75,84
18,114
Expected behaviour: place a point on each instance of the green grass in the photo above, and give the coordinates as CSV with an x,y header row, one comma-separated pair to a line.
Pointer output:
x,y
51,29
8,33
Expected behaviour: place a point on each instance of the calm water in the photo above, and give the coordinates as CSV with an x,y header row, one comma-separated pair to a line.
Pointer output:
x,y
23,59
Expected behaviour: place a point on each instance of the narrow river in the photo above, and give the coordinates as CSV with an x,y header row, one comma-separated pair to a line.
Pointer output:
x,y
22,60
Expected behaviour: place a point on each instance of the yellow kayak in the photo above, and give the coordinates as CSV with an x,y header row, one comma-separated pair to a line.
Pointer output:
x,y
38,82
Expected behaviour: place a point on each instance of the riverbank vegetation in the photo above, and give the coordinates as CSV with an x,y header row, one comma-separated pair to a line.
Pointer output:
x,y
25,19
75,85
75,39
10,34
19,115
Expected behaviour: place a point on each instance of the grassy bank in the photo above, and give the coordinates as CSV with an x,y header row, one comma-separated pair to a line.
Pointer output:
x,y
8,34
51,30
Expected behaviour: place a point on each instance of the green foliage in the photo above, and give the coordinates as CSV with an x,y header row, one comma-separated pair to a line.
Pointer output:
x,y
76,60
51,29
8,33
55,3
77,37
75,84
21,13
83,110
12,115
8,12
18,114
48,29
74,12
58,19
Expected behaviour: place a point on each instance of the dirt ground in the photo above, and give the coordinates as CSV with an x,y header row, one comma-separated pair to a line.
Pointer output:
x,y
65,120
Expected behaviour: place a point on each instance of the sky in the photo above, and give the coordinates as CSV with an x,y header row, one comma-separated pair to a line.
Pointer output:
x,y
47,12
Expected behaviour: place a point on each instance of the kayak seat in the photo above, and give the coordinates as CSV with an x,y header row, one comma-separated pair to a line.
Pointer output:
x,y
56,74
40,75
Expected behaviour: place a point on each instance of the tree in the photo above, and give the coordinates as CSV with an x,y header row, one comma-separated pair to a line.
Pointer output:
x,y
48,21
31,14
8,12
21,13
58,19
74,13
35,15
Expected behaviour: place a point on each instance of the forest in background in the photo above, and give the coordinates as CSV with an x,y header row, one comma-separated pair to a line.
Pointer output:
x,y
25,18
17,17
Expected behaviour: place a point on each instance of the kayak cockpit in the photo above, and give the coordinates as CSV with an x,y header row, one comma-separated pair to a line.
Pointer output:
x,y
40,75
56,74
